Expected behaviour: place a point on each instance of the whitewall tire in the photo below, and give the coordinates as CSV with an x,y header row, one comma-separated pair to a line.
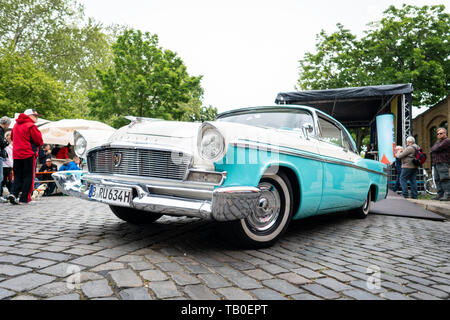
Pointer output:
x,y
271,219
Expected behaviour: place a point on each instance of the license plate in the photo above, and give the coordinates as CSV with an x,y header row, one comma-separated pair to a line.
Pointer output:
x,y
112,195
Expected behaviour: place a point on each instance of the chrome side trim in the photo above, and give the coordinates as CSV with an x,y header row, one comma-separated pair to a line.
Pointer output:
x,y
298,153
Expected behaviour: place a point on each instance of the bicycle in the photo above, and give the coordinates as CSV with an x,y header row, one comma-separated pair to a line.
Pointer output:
x,y
430,185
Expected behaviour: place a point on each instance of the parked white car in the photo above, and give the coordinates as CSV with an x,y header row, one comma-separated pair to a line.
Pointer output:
x,y
255,169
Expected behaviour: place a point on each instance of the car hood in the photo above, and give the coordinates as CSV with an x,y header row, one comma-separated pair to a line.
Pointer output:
x,y
159,134
182,136
167,134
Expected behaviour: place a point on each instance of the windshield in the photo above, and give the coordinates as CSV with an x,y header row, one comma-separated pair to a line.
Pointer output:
x,y
278,120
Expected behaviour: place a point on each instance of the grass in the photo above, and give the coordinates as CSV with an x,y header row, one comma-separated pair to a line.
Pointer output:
x,y
425,196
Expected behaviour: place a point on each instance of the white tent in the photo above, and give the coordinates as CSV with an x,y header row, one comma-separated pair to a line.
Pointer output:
x,y
61,132
39,123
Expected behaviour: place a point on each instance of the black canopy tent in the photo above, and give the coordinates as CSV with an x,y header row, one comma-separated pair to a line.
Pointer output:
x,y
359,106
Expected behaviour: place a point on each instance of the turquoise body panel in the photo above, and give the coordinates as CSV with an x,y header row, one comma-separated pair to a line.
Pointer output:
x,y
326,184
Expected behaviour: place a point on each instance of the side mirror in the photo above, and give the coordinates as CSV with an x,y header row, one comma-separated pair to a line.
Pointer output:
x,y
307,129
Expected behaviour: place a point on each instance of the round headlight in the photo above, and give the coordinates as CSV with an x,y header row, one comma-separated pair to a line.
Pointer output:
x,y
212,144
80,146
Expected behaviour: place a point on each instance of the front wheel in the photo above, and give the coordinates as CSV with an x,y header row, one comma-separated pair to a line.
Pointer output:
x,y
135,216
271,219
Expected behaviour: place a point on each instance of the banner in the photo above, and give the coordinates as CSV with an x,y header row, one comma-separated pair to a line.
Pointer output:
x,y
386,138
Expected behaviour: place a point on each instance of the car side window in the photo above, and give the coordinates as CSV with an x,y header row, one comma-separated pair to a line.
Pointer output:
x,y
330,132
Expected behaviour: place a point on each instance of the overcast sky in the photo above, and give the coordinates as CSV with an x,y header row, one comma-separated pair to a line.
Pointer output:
x,y
246,50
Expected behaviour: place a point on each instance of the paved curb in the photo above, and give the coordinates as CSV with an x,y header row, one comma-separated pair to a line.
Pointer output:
x,y
434,206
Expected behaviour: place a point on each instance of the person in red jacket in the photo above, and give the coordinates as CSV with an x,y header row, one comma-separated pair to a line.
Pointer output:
x,y
26,139
63,153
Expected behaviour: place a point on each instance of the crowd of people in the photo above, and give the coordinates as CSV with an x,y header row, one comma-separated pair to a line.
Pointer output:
x,y
407,170
26,162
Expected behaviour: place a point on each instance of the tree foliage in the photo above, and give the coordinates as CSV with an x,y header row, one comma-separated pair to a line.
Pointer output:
x,y
194,111
74,58
55,34
408,45
145,80
25,85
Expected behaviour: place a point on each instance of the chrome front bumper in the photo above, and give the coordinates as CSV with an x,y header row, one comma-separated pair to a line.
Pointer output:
x,y
170,198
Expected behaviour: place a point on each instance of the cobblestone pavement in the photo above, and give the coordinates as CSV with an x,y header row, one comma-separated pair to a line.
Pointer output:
x,y
66,248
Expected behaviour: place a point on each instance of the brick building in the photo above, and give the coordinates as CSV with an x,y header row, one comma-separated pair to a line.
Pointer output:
x,y
426,124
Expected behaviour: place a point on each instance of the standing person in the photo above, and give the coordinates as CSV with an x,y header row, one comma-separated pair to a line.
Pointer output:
x,y
440,160
4,125
409,169
398,165
8,165
27,139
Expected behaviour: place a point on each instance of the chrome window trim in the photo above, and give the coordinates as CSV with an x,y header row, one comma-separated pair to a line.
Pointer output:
x,y
232,113
344,133
321,137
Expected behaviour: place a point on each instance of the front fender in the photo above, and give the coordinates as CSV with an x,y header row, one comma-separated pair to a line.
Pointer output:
x,y
246,166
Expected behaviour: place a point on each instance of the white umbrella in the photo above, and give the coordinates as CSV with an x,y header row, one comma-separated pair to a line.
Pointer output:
x,y
61,132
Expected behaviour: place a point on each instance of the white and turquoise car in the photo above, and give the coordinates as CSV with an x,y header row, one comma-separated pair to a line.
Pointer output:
x,y
255,169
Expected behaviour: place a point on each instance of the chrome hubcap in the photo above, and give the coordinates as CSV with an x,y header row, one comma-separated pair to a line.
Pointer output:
x,y
268,209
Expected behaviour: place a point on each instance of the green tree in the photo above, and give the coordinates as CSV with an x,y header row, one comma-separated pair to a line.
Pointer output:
x,y
26,25
336,64
145,81
55,34
410,44
25,85
195,111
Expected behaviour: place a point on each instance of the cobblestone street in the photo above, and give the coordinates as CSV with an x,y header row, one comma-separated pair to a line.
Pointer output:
x,y
66,248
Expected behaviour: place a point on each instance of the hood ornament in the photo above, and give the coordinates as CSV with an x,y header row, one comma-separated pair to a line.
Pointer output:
x,y
117,159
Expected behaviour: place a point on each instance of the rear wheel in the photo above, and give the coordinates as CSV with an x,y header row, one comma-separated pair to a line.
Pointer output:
x,y
135,216
363,211
271,219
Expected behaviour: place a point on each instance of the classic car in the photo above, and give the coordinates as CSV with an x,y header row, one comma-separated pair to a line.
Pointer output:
x,y
254,169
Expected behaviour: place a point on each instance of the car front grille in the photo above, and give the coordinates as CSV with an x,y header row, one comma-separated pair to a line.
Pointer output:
x,y
139,162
